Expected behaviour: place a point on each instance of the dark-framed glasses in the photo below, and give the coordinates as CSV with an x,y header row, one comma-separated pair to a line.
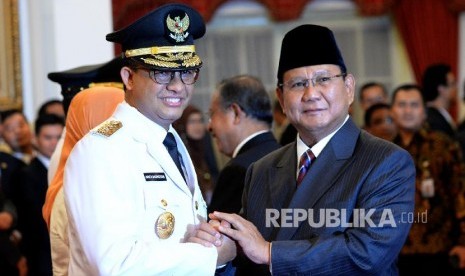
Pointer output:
x,y
188,76
299,84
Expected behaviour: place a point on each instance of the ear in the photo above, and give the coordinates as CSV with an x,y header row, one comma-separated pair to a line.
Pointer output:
x,y
239,114
126,76
349,83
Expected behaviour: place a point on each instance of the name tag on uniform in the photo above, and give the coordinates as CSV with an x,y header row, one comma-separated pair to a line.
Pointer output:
x,y
155,176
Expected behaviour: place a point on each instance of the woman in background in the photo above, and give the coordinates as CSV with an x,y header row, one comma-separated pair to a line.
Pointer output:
x,y
192,129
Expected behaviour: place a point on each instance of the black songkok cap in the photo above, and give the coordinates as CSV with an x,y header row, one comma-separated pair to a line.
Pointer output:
x,y
308,45
163,39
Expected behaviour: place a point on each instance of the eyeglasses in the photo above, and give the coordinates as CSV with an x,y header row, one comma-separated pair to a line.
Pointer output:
x,y
165,77
298,84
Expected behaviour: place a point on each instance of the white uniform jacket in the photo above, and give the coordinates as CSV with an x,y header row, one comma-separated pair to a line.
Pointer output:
x,y
116,187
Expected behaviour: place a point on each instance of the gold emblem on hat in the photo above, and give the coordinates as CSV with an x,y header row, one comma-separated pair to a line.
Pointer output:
x,y
178,27
164,226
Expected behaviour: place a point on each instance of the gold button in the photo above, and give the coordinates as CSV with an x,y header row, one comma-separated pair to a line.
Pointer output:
x,y
196,205
164,203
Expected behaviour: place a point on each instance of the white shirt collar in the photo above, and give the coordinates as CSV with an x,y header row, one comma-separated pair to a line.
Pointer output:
x,y
44,159
447,116
318,147
241,144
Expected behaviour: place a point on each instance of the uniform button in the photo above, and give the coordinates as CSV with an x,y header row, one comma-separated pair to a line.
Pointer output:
x,y
164,203
196,205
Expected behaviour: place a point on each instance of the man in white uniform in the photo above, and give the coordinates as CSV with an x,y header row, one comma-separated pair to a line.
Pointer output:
x,y
130,187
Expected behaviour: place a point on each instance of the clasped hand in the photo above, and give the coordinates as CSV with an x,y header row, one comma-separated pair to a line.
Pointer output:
x,y
223,227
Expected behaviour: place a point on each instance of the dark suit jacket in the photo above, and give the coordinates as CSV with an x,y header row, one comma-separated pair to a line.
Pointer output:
x,y
10,166
437,122
33,187
9,252
227,195
289,135
354,171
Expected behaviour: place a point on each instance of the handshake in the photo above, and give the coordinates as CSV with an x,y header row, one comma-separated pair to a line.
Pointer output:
x,y
224,230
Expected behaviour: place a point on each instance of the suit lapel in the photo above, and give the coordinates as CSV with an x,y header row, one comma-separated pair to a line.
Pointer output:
x,y
323,173
284,185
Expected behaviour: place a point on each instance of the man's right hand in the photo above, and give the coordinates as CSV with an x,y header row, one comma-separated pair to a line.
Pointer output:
x,y
207,235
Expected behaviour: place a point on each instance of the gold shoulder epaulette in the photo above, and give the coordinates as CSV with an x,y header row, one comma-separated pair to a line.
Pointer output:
x,y
108,128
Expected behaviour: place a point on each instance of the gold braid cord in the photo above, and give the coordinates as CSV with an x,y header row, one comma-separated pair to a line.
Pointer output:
x,y
174,60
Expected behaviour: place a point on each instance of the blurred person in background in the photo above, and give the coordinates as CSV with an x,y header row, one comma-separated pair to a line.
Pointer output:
x,y
33,184
378,121
439,192
17,134
371,93
240,122
192,129
439,90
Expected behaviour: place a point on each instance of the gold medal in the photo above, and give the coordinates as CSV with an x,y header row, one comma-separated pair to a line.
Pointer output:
x,y
164,226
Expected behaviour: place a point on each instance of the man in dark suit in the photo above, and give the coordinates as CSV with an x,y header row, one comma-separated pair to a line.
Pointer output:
x,y
33,186
439,89
346,216
240,122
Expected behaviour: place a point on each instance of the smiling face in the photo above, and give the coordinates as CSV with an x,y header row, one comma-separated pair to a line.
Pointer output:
x,y
161,103
317,111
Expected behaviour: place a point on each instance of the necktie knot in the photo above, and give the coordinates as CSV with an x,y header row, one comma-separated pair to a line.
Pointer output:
x,y
170,141
304,164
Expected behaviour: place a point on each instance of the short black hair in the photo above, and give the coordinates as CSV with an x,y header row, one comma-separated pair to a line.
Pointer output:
x,y
407,87
372,109
434,76
10,112
45,105
369,85
47,119
250,94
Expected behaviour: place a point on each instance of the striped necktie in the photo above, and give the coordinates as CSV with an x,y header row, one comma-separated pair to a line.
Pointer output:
x,y
304,164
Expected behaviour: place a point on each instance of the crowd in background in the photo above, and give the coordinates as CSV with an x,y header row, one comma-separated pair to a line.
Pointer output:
x,y
413,116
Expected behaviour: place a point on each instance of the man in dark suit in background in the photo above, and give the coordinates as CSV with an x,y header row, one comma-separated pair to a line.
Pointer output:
x,y
301,223
240,121
439,89
32,185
